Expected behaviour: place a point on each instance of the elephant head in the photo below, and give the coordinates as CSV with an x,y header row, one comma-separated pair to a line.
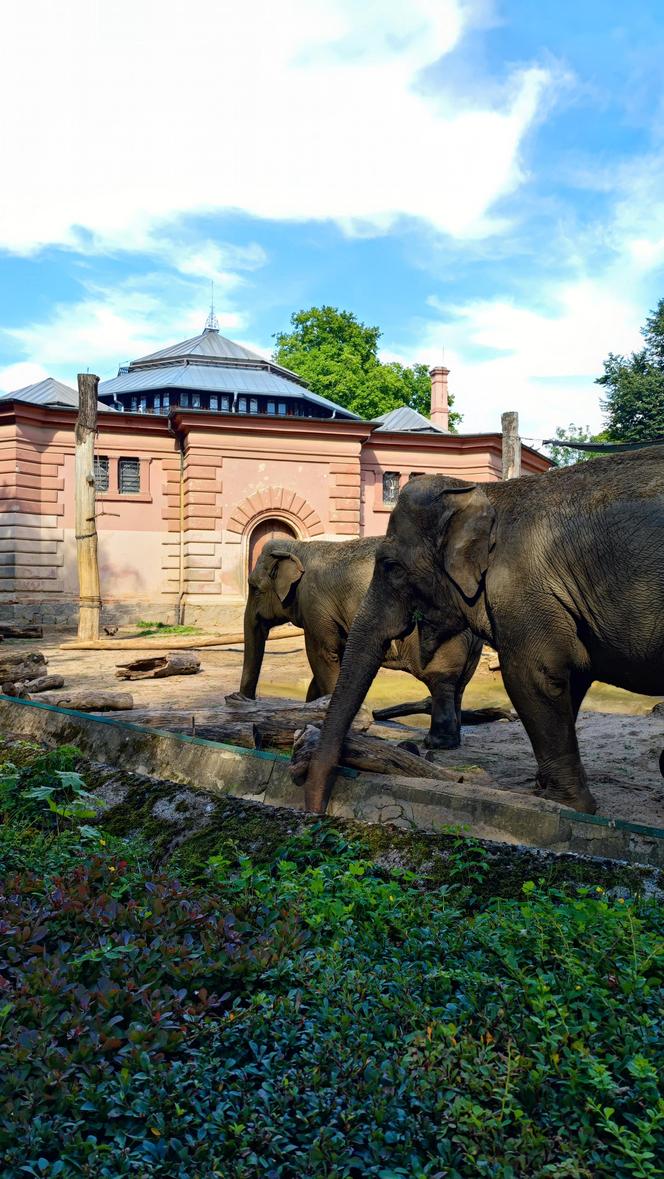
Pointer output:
x,y
429,572
272,584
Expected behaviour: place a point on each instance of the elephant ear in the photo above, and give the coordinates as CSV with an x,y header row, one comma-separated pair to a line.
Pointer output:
x,y
285,571
468,538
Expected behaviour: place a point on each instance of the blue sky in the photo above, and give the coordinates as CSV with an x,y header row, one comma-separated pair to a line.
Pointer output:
x,y
483,179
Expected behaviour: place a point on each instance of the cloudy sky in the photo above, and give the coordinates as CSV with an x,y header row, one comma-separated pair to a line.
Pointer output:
x,y
484,179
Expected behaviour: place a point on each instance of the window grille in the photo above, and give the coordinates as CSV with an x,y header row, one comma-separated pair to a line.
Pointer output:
x,y
195,401
214,401
134,405
271,407
282,408
226,403
100,471
390,487
142,404
184,400
242,405
166,401
253,405
129,476
157,402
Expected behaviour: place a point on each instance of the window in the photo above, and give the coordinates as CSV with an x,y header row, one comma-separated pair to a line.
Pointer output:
x,y
390,487
271,407
100,471
415,475
226,403
184,400
253,405
166,401
157,402
214,401
195,401
242,405
142,404
134,405
282,408
129,476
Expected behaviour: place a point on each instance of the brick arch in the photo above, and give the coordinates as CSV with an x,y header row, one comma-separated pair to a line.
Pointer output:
x,y
287,504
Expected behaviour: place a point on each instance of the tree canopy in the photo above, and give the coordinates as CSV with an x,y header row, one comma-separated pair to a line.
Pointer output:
x,y
565,456
634,387
338,357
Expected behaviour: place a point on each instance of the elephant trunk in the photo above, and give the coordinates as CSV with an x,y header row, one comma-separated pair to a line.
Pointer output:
x,y
255,634
369,637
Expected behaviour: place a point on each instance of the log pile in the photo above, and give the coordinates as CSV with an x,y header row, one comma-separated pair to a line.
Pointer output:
x,y
20,630
160,666
19,669
376,756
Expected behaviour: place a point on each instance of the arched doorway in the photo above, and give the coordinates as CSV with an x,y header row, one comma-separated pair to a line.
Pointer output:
x,y
270,529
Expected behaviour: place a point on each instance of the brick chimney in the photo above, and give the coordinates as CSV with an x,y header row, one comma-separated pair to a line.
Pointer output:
x,y
440,410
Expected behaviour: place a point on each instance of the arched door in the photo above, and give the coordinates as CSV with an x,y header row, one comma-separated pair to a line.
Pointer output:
x,y
271,529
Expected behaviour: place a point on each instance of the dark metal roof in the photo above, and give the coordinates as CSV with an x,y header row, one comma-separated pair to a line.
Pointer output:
x,y
215,379
208,348
48,392
404,420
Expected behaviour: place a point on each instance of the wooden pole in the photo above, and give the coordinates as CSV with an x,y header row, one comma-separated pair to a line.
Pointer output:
x,y
89,594
511,445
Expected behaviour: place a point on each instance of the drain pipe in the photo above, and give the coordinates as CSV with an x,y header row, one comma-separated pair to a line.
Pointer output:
x,y
179,609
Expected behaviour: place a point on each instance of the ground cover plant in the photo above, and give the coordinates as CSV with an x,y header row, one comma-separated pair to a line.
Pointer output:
x,y
167,628
323,1012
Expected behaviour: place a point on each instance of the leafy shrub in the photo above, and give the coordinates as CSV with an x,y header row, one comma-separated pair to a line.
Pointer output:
x,y
320,1016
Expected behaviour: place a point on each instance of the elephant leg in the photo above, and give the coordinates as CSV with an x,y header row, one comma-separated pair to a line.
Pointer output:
x,y
324,662
445,728
313,691
547,701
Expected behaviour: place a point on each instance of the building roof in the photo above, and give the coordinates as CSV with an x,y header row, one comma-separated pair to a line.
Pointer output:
x,y
48,392
209,348
404,420
213,379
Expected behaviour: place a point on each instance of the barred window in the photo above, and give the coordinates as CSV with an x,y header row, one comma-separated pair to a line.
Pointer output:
x,y
195,401
142,404
129,476
100,471
226,403
282,408
214,401
253,405
242,405
390,487
271,407
157,402
134,405
166,401
184,400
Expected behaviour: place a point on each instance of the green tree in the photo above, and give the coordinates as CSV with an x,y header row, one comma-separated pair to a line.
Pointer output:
x,y
634,401
338,357
564,456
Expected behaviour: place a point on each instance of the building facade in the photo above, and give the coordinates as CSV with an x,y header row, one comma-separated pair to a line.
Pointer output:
x,y
189,488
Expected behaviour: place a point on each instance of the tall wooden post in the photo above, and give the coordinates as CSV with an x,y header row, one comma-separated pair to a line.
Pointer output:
x,y
89,594
511,445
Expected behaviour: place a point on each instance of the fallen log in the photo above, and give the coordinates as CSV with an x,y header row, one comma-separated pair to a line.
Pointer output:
x,y
469,716
17,630
376,756
237,722
175,643
21,667
90,701
45,683
160,666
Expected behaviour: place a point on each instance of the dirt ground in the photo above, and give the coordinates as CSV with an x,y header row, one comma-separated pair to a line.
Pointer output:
x,y
619,737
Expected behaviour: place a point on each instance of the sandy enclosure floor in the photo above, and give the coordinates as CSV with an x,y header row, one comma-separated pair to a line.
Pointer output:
x,y
620,740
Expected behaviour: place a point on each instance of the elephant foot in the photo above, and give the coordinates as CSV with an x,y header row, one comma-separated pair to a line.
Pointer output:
x,y
442,741
579,799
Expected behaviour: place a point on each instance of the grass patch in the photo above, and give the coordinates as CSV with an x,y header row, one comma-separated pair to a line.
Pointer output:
x,y
307,1005
165,628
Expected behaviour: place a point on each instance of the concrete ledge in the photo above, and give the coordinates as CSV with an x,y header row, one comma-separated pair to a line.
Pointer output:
x,y
419,803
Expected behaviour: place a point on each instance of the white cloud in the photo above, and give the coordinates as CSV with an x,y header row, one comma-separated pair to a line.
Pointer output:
x,y
541,363
126,115
112,325
17,376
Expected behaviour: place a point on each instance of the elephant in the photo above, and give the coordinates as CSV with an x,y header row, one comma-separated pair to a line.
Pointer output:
x,y
319,585
562,573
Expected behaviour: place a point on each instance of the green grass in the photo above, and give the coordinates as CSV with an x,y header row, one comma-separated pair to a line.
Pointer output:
x,y
165,628
315,1015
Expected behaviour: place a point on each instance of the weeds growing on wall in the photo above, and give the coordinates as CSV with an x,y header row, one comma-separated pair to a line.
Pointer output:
x,y
317,1016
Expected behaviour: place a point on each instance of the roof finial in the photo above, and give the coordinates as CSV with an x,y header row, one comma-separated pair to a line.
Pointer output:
x,y
212,323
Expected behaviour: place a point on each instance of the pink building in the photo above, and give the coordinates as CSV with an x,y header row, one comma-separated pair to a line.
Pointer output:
x,y
204,450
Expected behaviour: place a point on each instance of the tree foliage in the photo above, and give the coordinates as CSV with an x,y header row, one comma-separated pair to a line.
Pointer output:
x,y
634,387
565,456
338,357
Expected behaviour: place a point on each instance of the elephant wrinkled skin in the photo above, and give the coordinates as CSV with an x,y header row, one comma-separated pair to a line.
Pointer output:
x,y
563,573
319,585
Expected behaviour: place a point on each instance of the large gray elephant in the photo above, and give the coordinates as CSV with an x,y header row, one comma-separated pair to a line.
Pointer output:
x,y
562,573
319,585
